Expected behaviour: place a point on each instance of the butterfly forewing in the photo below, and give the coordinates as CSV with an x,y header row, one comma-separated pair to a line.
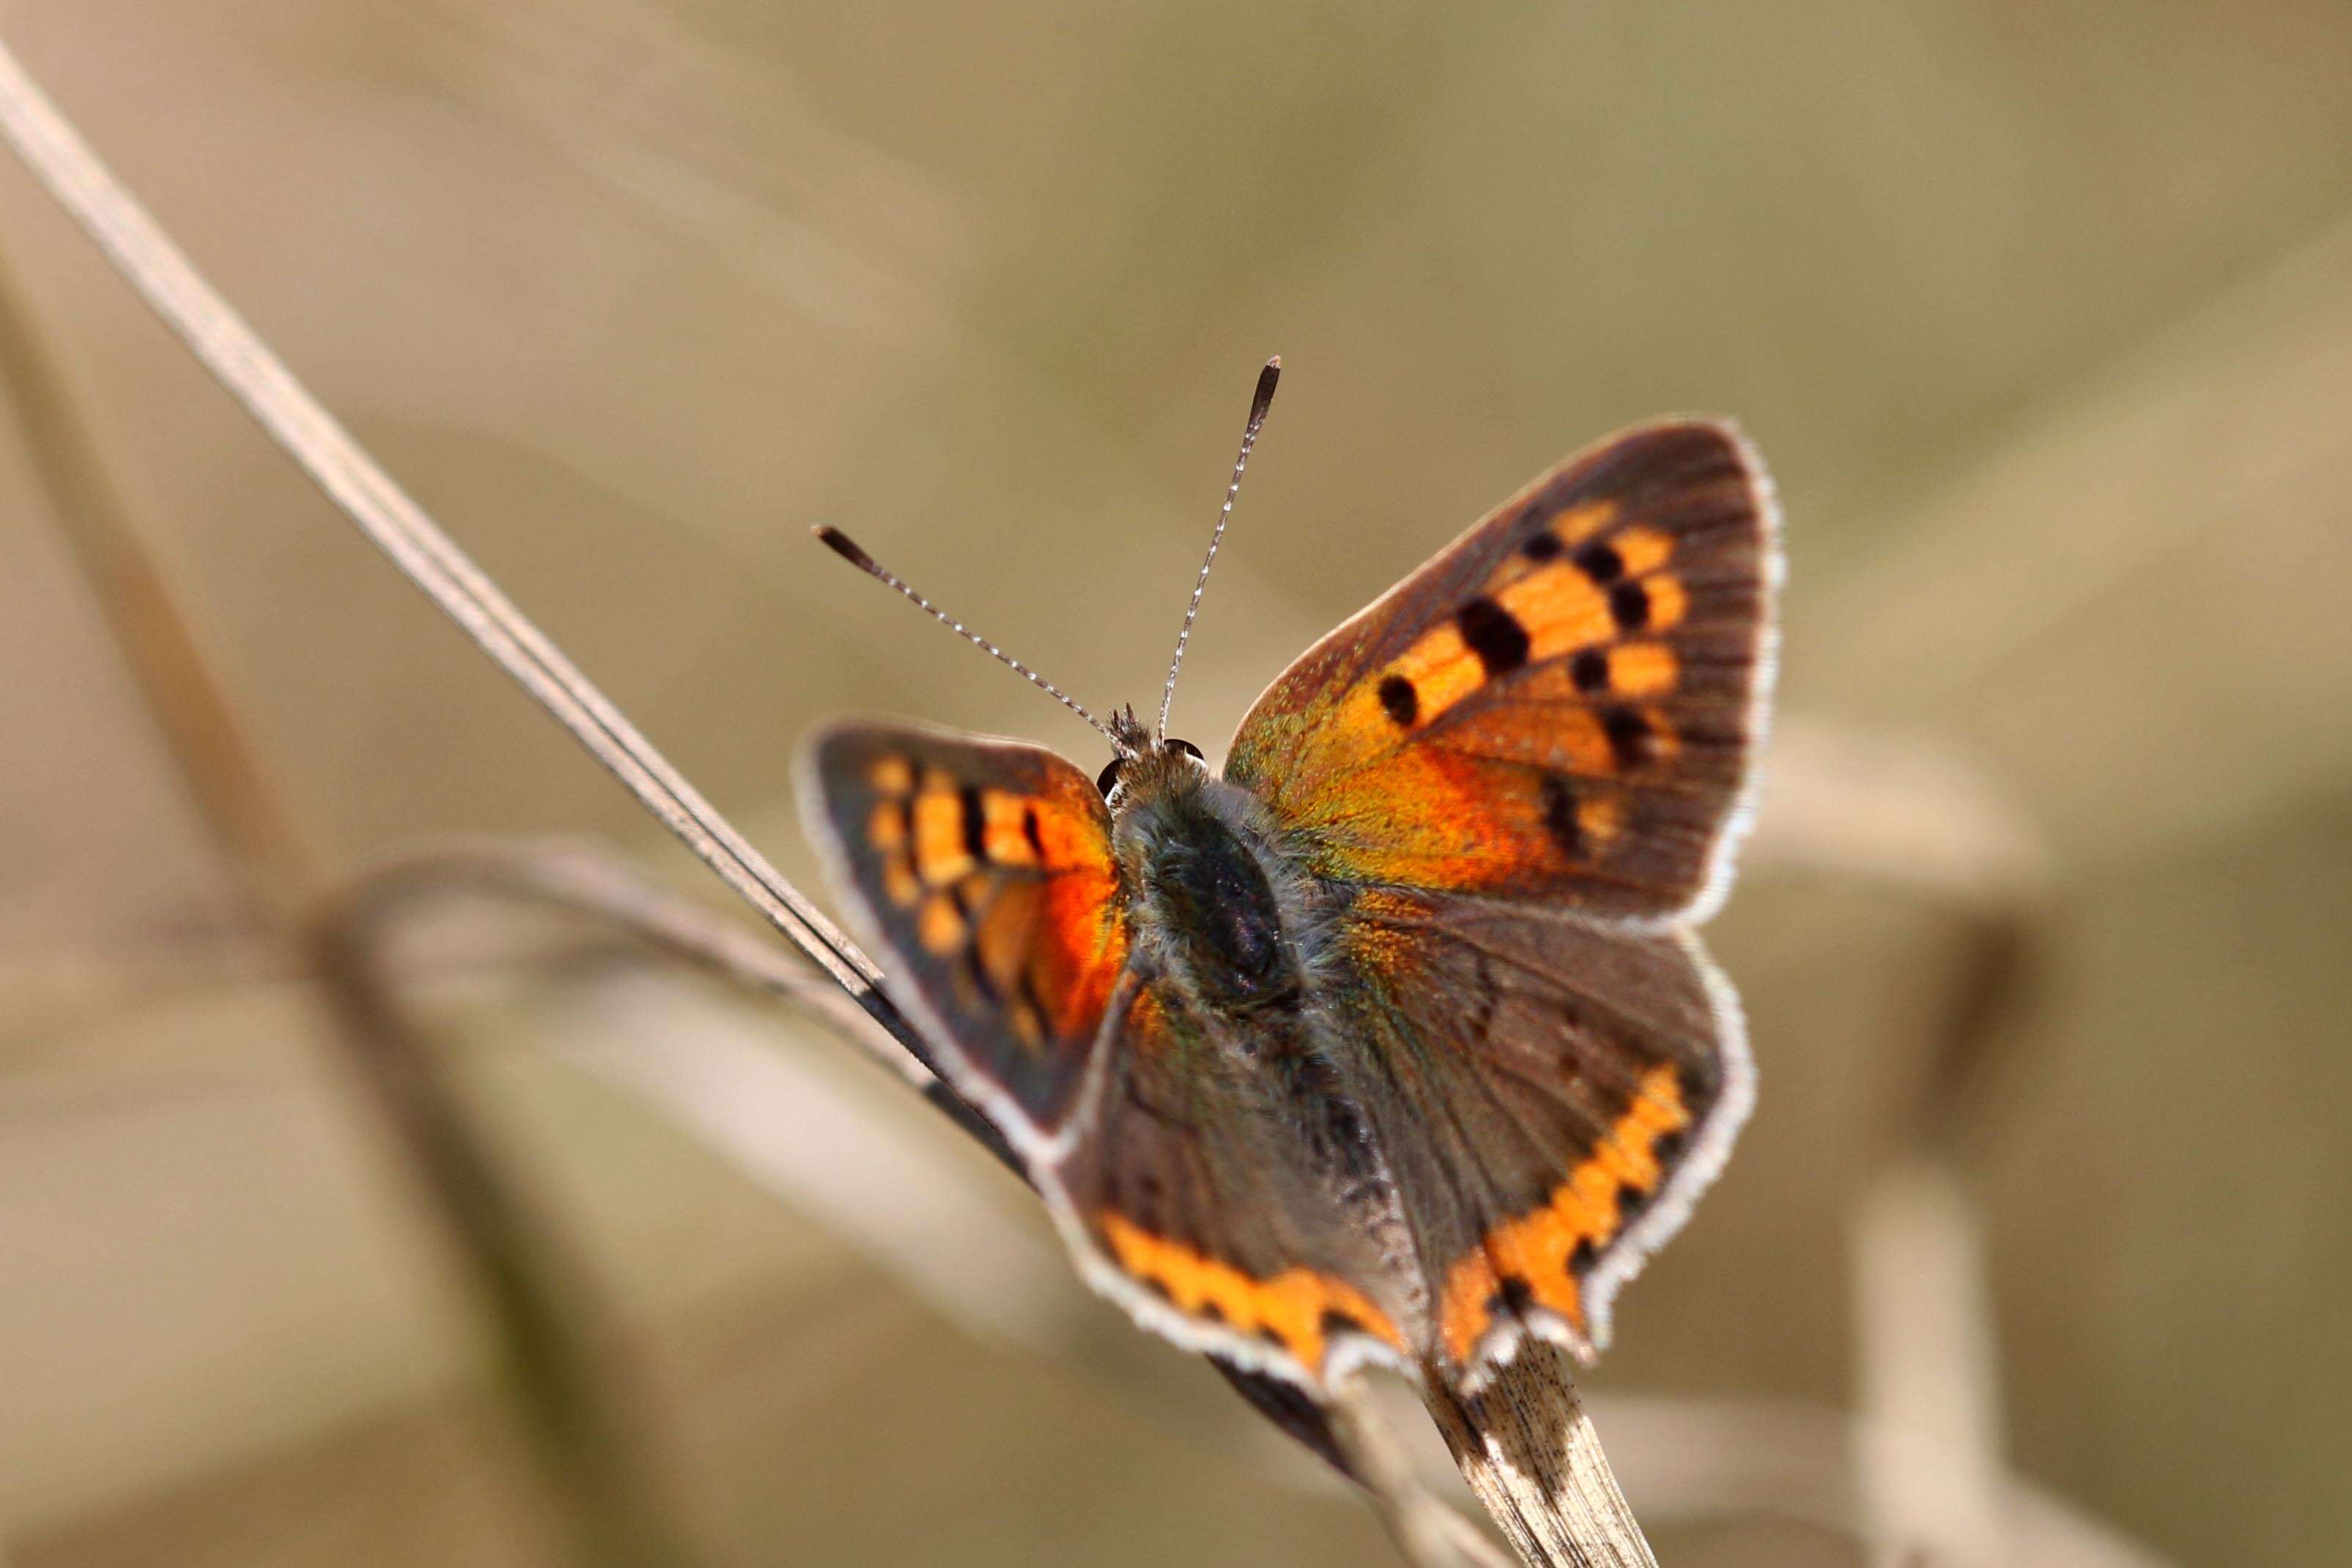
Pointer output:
x,y
1561,705
982,871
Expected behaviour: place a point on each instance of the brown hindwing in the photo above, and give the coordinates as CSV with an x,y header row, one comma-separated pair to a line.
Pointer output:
x,y
1553,1096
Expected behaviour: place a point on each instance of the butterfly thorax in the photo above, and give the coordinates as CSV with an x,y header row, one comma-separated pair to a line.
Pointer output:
x,y
1218,902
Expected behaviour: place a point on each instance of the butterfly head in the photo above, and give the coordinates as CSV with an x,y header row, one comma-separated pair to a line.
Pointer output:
x,y
1145,760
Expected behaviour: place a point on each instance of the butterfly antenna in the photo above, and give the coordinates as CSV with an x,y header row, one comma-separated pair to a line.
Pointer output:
x,y
841,544
1259,402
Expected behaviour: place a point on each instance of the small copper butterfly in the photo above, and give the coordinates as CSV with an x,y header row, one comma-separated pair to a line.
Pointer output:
x,y
1391,1041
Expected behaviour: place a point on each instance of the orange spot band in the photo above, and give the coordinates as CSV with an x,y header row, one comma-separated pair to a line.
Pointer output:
x,y
1538,1251
1299,1307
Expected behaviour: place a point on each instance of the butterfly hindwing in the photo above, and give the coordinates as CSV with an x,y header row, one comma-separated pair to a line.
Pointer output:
x,y
1551,1098
1213,1185
982,871
1561,705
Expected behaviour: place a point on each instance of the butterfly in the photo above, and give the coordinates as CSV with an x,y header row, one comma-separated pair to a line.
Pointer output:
x,y
1389,1042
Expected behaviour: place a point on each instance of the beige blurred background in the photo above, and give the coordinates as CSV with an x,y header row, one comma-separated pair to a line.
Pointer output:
x,y
2039,1247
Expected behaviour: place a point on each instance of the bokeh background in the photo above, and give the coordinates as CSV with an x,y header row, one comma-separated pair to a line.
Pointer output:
x,y
2039,1247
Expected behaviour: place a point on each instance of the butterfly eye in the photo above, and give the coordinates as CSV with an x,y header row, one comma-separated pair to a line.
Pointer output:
x,y
1187,747
1109,776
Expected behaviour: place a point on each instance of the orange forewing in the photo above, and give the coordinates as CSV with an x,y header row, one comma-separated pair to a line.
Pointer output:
x,y
985,869
1559,705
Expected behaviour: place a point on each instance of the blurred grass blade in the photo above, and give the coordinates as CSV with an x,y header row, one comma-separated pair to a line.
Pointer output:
x,y
235,355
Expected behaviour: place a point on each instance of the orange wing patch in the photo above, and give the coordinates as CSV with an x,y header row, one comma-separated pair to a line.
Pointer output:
x,y
1559,704
1537,1258
1641,669
941,830
1566,618
1299,1309
1015,884
1563,591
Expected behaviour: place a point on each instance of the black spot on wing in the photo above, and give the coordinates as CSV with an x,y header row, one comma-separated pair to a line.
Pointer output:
x,y
982,981
1035,1006
1335,1322
1402,702
1589,670
1029,831
1542,545
1559,804
1629,604
1494,634
1601,563
1513,1298
975,824
1629,737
